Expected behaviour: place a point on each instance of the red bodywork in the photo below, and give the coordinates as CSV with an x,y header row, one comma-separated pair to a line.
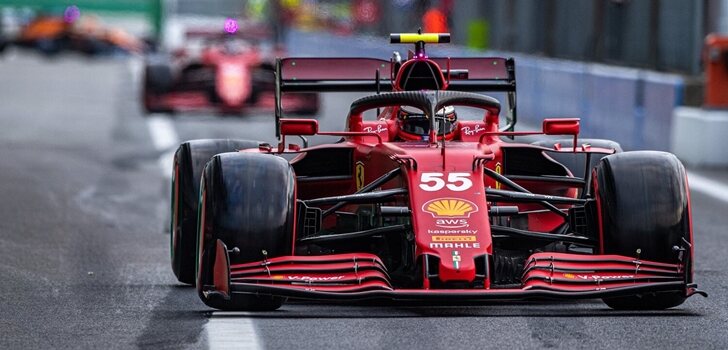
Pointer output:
x,y
228,76
233,80
451,205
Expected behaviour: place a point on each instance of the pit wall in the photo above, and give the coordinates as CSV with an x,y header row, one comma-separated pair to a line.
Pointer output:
x,y
631,106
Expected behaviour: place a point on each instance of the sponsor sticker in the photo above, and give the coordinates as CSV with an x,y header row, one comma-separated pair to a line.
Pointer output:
x,y
468,131
308,278
452,232
448,208
596,277
453,238
452,223
599,277
378,130
444,245
451,215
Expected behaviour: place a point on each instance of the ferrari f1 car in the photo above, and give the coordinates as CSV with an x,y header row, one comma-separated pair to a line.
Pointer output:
x,y
417,205
226,73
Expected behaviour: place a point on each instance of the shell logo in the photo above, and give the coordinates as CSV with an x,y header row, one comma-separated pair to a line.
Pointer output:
x,y
450,208
570,276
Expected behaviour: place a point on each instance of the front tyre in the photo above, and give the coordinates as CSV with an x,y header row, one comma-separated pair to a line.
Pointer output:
x,y
247,202
642,198
158,80
189,161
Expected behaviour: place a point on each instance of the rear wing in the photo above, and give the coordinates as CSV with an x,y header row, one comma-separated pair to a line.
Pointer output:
x,y
349,74
245,32
491,74
333,74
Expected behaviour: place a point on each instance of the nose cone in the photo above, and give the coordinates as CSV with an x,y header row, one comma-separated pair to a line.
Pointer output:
x,y
453,268
452,224
233,84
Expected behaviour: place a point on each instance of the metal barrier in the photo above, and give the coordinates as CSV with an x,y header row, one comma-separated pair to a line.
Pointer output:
x,y
630,106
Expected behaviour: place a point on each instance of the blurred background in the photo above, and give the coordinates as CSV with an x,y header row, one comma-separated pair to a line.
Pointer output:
x,y
624,66
96,96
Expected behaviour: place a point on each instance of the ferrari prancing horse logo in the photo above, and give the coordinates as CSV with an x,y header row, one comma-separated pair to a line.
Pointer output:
x,y
359,175
499,170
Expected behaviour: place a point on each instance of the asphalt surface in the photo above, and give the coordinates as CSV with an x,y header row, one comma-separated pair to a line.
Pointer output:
x,y
84,260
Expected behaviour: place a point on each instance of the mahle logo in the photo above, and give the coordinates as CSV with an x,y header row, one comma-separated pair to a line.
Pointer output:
x,y
450,208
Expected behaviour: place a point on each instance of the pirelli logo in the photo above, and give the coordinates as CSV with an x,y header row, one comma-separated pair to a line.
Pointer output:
x,y
453,238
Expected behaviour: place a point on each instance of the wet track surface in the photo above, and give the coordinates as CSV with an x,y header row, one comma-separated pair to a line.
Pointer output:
x,y
84,258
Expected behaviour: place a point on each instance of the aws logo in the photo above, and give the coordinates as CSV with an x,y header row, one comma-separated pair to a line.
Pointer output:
x,y
445,208
452,223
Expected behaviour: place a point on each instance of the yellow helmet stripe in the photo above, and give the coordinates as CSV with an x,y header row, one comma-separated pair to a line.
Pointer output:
x,y
411,38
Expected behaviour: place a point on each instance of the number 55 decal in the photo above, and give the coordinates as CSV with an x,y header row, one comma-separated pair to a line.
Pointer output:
x,y
458,182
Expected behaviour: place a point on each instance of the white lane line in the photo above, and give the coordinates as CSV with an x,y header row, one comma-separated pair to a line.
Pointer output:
x,y
223,330
135,69
712,188
161,128
231,331
165,162
165,139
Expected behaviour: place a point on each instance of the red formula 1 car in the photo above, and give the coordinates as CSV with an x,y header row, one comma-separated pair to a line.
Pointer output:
x,y
226,73
419,205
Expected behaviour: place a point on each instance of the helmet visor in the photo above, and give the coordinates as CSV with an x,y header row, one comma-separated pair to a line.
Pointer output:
x,y
417,123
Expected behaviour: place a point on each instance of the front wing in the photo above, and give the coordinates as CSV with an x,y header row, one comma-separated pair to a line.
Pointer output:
x,y
361,276
199,101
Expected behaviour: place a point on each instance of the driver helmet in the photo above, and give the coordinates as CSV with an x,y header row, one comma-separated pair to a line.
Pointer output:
x,y
233,46
414,125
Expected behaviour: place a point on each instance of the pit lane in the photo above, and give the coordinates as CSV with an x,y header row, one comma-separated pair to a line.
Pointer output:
x,y
84,251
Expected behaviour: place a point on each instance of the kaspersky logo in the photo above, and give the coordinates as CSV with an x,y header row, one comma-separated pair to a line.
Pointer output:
x,y
447,208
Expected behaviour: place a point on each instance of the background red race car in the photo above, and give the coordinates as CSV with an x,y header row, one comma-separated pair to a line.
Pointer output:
x,y
419,205
219,71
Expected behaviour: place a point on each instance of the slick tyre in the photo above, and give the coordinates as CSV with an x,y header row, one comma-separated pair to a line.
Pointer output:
x,y
247,202
51,47
643,202
158,78
189,161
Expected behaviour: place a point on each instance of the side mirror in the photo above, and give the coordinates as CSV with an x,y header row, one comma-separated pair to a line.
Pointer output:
x,y
564,126
291,126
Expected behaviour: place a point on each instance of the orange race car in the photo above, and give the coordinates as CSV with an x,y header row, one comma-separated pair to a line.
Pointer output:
x,y
53,34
